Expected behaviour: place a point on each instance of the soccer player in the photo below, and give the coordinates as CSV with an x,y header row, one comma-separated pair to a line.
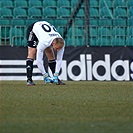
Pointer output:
x,y
49,41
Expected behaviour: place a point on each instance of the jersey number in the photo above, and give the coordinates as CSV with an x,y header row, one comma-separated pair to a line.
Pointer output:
x,y
48,28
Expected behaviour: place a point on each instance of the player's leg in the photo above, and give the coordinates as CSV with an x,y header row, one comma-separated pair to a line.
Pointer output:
x,y
29,65
51,58
32,43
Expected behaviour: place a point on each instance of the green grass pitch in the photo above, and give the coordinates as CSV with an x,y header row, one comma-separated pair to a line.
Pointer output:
x,y
78,107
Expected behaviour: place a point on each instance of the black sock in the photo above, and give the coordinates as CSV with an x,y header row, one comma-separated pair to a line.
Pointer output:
x,y
29,68
52,64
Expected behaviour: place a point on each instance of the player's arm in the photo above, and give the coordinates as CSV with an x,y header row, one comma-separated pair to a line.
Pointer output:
x,y
58,64
39,60
59,59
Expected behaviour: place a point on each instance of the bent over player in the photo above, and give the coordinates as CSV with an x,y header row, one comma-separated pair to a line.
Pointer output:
x,y
49,41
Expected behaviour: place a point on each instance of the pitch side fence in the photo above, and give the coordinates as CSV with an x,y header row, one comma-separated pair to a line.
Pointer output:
x,y
79,63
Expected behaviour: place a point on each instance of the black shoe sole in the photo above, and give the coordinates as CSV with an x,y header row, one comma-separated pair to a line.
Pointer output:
x,y
60,82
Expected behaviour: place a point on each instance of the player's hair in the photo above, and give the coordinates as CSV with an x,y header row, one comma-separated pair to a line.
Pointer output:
x,y
59,41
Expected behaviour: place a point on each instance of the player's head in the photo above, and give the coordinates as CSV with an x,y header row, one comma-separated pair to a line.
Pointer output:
x,y
58,43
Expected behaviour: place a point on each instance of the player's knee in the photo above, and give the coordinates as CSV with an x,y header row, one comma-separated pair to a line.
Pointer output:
x,y
34,52
51,56
31,53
